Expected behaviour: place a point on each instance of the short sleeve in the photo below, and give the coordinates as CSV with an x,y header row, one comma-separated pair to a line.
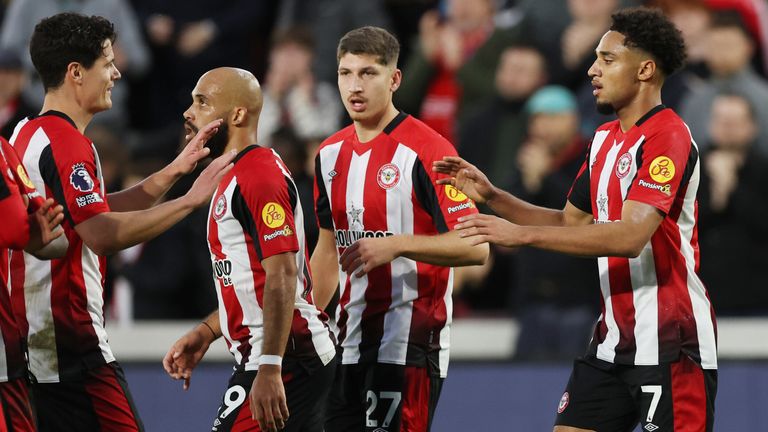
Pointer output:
x,y
14,231
21,178
268,208
444,203
70,170
580,192
322,204
665,163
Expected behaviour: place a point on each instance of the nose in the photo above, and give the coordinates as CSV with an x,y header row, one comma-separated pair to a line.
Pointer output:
x,y
188,114
354,85
116,75
593,70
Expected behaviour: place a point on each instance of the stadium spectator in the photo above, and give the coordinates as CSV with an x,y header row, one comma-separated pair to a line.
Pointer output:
x,y
378,207
13,107
452,68
78,384
284,351
633,206
728,58
131,54
293,97
555,299
733,197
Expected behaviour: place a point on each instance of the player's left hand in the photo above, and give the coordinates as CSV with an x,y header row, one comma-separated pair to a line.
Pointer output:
x,y
195,150
368,253
43,225
267,399
482,228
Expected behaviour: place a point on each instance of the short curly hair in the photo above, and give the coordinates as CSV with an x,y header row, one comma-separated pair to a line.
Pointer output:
x,y
651,31
65,38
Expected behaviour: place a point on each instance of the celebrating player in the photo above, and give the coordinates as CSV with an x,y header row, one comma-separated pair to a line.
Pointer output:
x,y
378,206
652,358
77,384
284,350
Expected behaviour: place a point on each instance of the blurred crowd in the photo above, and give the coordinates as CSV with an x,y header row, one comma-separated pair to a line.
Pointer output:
x,y
504,80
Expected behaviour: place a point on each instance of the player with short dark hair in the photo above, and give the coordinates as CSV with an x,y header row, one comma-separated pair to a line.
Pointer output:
x,y
283,348
378,207
653,356
77,384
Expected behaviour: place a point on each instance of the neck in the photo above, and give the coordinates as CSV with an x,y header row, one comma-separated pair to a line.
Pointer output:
x,y
643,102
368,130
60,100
240,139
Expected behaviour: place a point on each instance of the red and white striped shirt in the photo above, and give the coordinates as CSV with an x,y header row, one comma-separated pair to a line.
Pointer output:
x,y
255,214
655,307
63,297
14,234
399,313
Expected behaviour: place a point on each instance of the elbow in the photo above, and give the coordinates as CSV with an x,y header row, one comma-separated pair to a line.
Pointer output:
x,y
479,254
99,246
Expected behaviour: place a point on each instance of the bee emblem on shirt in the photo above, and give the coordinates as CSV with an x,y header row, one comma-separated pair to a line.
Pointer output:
x,y
273,215
388,176
662,169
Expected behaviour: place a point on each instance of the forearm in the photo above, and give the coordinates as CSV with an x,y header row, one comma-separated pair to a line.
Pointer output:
x,y
144,194
279,295
115,231
212,326
616,239
325,277
520,212
446,249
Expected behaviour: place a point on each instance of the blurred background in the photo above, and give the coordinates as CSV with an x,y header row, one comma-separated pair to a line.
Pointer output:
x,y
506,82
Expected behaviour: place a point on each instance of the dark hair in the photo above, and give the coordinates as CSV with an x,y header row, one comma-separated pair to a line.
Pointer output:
x,y
730,19
65,38
651,31
295,35
370,40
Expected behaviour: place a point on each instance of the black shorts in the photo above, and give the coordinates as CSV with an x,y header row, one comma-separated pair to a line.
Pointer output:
x,y
601,396
99,400
306,391
383,397
15,410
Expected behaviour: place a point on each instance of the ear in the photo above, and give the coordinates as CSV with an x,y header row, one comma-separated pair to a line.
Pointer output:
x,y
238,116
397,78
647,70
75,72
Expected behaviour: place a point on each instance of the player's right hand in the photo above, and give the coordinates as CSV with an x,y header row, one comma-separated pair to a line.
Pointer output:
x,y
465,177
43,225
268,403
185,354
201,191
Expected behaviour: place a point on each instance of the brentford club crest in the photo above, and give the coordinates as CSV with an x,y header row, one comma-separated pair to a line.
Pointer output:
x,y
220,208
622,166
563,403
388,176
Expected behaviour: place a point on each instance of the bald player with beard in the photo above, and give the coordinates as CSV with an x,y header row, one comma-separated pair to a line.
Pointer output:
x,y
284,352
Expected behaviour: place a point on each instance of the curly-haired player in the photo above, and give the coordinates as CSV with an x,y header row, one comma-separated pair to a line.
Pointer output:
x,y
652,359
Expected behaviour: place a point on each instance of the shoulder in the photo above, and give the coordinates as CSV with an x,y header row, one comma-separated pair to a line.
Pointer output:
x,y
608,126
422,139
667,126
261,168
339,136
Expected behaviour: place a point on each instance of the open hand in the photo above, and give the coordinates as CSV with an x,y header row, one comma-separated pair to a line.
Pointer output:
x,y
368,253
185,354
482,228
465,177
195,150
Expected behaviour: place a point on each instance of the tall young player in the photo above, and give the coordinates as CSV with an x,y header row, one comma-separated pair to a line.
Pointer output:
x,y
652,358
78,385
378,206
283,348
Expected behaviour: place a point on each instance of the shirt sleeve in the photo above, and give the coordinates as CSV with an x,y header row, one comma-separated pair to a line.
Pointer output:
x,y
14,231
444,203
322,204
268,209
21,178
664,168
69,170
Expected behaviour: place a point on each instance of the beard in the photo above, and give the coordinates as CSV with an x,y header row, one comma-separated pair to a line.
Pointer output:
x,y
605,108
218,141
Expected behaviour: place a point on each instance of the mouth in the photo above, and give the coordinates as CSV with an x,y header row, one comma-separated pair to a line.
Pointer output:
x,y
357,104
190,131
596,87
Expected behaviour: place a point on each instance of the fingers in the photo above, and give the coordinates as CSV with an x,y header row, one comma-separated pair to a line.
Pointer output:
x,y
204,134
187,380
168,362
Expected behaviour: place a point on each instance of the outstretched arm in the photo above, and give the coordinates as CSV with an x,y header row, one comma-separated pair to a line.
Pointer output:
x,y
471,181
625,238
146,193
447,249
109,232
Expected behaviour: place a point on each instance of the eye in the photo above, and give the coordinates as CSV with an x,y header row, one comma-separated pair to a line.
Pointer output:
x,y
344,73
